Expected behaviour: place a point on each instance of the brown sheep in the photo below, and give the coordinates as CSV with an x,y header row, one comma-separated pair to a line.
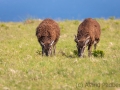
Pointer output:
x,y
88,34
48,33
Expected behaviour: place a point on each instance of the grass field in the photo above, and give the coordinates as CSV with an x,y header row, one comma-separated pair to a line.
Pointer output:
x,y
22,66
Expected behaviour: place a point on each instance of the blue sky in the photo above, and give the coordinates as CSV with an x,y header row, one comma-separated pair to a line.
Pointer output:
x,y
19,10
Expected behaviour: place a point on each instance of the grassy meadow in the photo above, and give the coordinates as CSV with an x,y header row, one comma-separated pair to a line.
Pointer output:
x,y
22,67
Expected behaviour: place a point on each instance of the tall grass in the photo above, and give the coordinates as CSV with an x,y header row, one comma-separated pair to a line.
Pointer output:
x,y
22,66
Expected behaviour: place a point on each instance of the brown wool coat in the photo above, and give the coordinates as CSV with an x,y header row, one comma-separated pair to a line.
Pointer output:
x,y
47,31
89,27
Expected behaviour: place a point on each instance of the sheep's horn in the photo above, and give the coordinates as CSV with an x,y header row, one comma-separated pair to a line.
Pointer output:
x,y
42,43
87,40
88,37
51,43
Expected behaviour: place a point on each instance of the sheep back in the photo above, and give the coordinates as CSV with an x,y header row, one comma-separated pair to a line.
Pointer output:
x,y
48,29
89,27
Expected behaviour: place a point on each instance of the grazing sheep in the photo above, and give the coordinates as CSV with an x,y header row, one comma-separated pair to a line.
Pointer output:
x,y
48,33
88,34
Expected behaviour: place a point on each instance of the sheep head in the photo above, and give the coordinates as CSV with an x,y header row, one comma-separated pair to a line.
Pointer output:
x,y
81,44
47,47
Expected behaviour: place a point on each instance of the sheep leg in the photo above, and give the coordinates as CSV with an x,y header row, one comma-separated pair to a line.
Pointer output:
x,y
42,51
95,45
54,49
51,50
89,50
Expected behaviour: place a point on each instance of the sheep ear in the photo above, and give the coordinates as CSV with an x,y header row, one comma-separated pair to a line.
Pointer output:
x,y
42,43
51,43
76,39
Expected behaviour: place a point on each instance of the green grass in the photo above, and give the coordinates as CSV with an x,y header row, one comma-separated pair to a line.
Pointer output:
x,y
22,66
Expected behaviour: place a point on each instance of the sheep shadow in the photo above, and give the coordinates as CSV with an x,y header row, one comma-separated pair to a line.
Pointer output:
x,y
63,53
39,52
